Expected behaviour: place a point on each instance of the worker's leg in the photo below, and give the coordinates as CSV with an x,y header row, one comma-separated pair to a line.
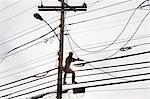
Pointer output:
x,y
65,75
73,77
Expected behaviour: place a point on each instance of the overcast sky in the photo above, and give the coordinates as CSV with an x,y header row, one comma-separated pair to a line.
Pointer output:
x,y
95,34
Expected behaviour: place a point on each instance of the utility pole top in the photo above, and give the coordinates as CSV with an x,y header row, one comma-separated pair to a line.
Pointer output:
x,y
66,8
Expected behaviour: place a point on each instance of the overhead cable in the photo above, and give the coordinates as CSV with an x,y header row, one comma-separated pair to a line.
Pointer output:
x,y
26,70
33,40
30,62
42,27
26,92
118,57
119,34
116,71
83,49
27,78
101,17
91,86
29,82
128,76
27,63
132,35
10,5
27,88
99,8
58,20
122,65
27,43
19,14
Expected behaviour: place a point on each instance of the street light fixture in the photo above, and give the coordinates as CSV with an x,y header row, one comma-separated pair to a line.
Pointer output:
x,y
38,16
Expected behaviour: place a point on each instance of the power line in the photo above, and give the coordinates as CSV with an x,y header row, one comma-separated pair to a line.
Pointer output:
x,y
29,82
25,33
128,76
90,64
122,65
116,71
146,52
33,68
132,35
113,41
118,35
130,47
101,28
26,70
33,40
10,5
27,63
55,21
101,17
28,43
26,78
19,14
100,8
27,92
120,41
44,41
125,89
48,63
86,50
91,86
116,83
26,88
18,66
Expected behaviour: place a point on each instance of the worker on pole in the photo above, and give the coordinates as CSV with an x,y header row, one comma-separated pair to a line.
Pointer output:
x,y
67,68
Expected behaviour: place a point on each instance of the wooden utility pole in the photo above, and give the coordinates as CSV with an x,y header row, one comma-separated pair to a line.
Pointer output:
x,y
61,45
64,7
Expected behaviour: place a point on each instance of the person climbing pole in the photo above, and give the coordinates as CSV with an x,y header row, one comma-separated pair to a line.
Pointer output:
x,y
67,68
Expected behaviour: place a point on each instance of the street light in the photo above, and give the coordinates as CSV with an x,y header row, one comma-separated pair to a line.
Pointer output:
x,y
60,53
38,16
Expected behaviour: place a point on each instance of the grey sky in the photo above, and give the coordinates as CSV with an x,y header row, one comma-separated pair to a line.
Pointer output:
x,y
93,30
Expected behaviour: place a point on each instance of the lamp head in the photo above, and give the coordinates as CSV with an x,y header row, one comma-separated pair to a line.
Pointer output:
x,y
37,16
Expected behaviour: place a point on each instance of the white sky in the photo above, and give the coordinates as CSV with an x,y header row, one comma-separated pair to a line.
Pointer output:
x,y
18,26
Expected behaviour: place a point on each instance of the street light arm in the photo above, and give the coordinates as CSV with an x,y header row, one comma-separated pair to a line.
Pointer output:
x,y
52,29
38,16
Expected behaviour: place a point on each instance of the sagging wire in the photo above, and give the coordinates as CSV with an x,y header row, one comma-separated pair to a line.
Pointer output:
x,y
85,61
127,48
56,21
70,42
122,32
113,41
133,33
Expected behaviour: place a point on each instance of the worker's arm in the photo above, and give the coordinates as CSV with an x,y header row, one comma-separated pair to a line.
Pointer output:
x,y
78,59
